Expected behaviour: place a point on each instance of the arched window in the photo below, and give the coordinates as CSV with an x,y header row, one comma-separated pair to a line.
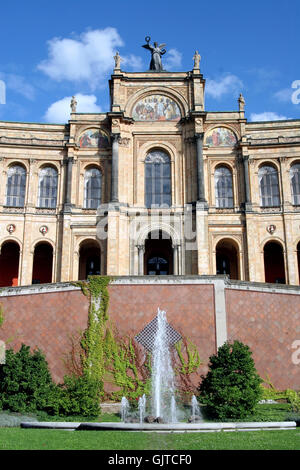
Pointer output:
x,y
16,186
47,195
268,186
223,187
295,183
92,188
157,179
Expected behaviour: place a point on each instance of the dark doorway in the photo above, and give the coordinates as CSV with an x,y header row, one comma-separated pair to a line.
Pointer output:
x,y
42,264
158,254
9,264
227,259
274,263
89,259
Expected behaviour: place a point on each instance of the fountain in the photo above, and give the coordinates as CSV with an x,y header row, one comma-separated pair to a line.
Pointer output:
x,y
163,406
166,414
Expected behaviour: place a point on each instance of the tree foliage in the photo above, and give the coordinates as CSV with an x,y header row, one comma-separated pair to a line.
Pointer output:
x,y
231,389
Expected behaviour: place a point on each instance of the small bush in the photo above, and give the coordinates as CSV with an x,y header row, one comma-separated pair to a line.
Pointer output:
x,y
77,396
25,381
231,388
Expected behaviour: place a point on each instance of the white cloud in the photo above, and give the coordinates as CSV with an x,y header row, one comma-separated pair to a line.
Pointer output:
x,y
225,85
59,112
173,59
284,95
267,116
18,84
88,58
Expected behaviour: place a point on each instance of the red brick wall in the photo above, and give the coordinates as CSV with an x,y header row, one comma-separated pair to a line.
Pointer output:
x,y
268,323
46,321
189,309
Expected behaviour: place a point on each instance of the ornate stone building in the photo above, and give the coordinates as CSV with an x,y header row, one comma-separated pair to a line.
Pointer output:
x,y
157,185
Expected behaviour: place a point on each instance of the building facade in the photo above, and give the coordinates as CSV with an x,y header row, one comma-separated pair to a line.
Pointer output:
x,y
157,185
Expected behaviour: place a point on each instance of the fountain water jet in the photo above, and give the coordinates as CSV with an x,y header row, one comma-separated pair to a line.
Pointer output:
x,y
163,387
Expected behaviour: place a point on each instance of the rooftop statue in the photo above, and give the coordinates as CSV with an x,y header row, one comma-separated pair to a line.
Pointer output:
x,y
156,52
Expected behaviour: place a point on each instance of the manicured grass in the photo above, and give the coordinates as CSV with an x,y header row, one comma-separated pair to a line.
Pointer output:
x,y
44,439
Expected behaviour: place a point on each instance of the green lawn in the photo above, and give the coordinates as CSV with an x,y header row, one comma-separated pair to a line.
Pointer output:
x,y
45,439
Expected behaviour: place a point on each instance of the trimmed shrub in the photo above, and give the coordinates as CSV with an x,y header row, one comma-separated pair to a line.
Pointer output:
x,y
78,396
25,381
231,389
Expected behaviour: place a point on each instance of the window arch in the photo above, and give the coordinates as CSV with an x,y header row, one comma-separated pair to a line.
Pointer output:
x,y
157,179
295,183
16,186
92,188
47,193
268,186
223,187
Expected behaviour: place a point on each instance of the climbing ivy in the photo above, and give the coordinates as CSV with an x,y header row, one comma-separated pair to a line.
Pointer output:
x,y
92,341
108,358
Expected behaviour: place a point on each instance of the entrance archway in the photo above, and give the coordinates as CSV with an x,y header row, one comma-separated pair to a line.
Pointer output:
x,y
227,258
89,259
42,263
9,264
274,263
158,259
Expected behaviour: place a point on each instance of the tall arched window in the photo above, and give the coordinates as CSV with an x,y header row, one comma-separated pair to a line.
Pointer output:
x,y
157,179
16,186
47,195
223,187
268,186
92,188
295,183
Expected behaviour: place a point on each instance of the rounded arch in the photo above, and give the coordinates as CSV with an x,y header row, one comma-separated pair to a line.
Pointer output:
x,y
227,250
9,262
268,180
21,163
220,136
158,256
274,261
142,94
16,184
92,137
90,254
42,262
294,174
144,231
268,162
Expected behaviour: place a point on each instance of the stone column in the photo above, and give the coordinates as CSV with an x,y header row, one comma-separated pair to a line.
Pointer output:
x,y
115,168
200,168
247,184
141,249
175,260
70,162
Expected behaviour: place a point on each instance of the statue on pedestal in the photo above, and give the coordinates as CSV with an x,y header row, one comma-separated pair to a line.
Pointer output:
x,y
156,51
241,101
118,60
197,58
73,104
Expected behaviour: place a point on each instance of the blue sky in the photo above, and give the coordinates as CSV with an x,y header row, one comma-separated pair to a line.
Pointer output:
x,y
53,50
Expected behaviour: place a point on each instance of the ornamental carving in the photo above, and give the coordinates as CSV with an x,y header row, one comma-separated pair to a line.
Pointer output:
x,y
271,228
44,229
11,228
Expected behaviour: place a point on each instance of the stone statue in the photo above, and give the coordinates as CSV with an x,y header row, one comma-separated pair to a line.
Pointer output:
x,y
118,60
156,52
241,101
73,104
197,58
